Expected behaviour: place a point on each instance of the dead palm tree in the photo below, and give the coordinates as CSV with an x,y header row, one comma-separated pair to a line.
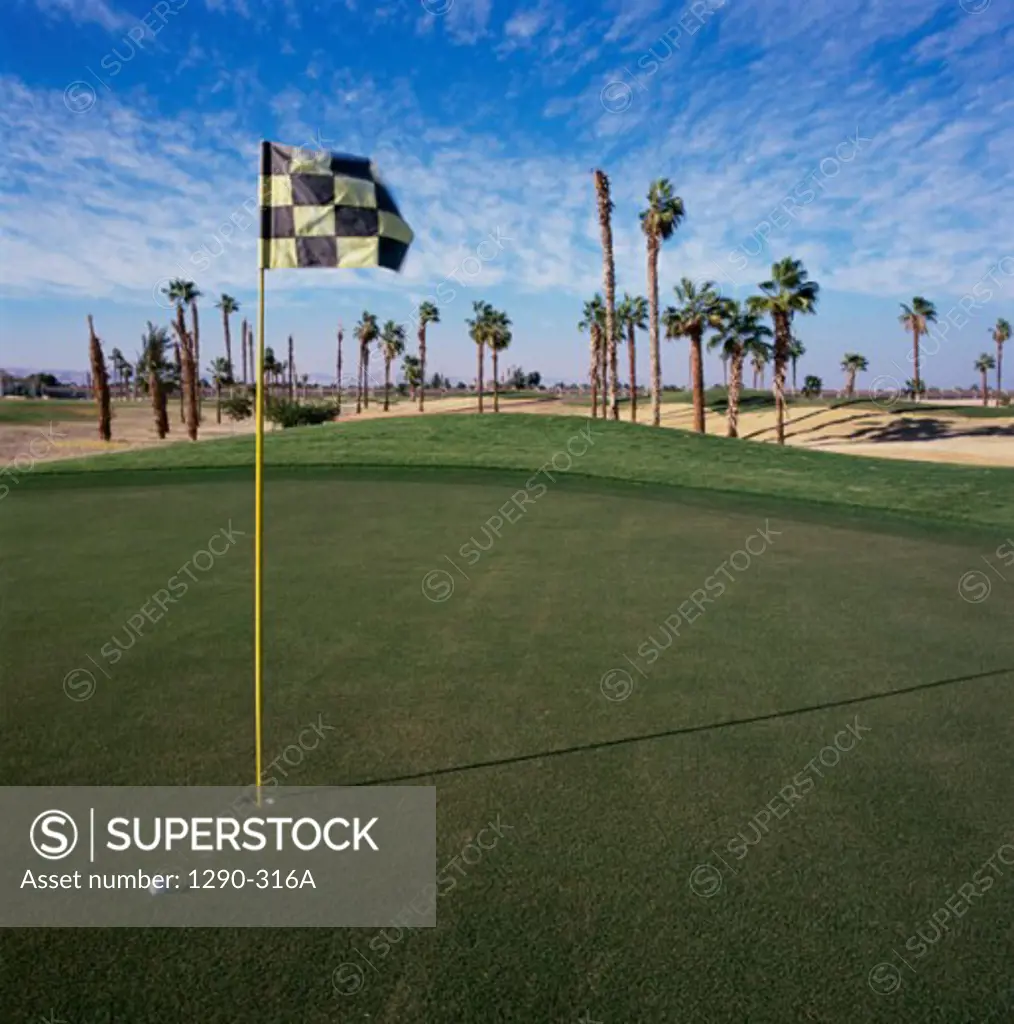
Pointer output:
x,y
605,208
1001,335
700,309
742,335
852,364
664,214
984,364
789,292
917,318
594,323
228,305
100,382
428,314
479,330
392,345
185,294
366,331
500,337
152,366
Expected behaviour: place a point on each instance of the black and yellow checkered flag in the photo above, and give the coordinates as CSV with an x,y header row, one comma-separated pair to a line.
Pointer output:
x,y
322,209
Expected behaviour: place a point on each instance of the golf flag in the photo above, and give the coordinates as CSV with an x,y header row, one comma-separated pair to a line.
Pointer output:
x,y
322,209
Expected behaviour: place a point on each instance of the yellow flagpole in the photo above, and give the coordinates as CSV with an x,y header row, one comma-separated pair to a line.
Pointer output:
x,y
259,529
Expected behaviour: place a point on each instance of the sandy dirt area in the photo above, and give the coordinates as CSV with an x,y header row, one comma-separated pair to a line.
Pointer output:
x,y
933,436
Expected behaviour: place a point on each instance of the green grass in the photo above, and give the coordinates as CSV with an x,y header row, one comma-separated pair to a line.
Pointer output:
x,y
974,412
494,696
620,452
30,410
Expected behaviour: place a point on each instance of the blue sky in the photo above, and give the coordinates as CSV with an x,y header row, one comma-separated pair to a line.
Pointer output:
x,y
874,139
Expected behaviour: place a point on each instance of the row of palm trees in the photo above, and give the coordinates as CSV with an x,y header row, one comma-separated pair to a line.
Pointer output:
x,y
916,318
699,309
737,328
488,327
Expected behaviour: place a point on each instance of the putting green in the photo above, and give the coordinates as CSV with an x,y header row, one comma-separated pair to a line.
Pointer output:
x,y
498,691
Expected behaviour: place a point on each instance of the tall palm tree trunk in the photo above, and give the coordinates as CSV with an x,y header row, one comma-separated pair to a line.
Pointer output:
x,y
496,382
359,383
633,374
915,360
593,372
781,358
244,350
735,388
697,376
292,369
999,372
604,374
100,382
985,389
338,374
366,377
228,345
158,404
422,367
656,363
196,358
179,380
218,400
605,207
480,367
387,384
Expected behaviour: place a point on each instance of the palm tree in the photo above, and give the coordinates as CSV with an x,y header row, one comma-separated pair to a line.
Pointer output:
x,y
126,372
1001,334
480,330
228,305
338,370
116,358
221,376
152,365
742,335
852,364
271,369
759,361
100,382
796,352
244,343
664,214
410,369
633,315
500,337
185,294
790,291
594,323
428,314
917,318
392,345
700,309
366,332
605,207
984,364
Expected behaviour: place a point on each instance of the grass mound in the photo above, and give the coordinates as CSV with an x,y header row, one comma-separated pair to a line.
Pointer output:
x,y
620,453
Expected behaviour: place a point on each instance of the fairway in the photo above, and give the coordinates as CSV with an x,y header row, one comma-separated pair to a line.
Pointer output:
x,y
505,690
